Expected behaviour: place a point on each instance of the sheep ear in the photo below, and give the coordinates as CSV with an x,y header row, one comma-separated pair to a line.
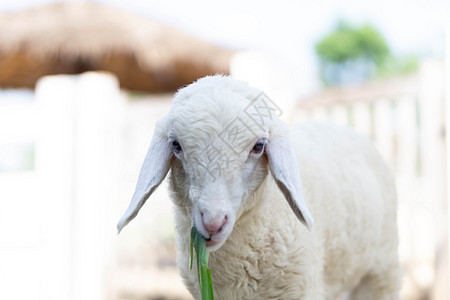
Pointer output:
x,y
153,171
284,168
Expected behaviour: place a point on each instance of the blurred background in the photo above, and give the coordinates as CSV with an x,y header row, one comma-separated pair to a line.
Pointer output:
x,y
83,82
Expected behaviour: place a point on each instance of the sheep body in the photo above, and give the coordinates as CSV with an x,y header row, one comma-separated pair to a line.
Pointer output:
x,y
271,255
263,251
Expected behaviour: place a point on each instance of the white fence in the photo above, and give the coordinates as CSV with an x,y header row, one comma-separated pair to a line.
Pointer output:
x,y
53,218
406,120
58,214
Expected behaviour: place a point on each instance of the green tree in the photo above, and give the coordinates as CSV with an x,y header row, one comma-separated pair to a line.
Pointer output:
x,y
350,53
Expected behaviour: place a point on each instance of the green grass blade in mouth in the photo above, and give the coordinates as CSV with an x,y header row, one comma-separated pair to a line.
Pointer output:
x,y
198,243
191,248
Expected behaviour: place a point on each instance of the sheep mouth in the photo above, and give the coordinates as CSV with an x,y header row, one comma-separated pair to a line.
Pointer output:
x,y
210,242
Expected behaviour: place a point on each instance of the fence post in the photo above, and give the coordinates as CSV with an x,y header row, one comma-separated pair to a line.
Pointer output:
x,y
441,290
54,168
78,159
269,75
384,128
362,118
431,206
97,163
407,136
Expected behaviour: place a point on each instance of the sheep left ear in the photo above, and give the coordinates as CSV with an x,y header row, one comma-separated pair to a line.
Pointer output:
x,y
154,169
284,168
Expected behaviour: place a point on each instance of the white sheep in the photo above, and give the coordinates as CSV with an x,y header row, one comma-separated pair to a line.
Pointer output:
x,y
220,139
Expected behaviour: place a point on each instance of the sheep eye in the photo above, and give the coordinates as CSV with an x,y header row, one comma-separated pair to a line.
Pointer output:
x,y
176,147
258,148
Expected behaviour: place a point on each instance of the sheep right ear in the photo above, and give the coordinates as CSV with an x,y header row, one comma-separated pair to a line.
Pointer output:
x,y
153,171
284,168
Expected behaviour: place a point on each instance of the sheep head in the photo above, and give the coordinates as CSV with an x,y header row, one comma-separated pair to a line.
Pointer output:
x,y
220,139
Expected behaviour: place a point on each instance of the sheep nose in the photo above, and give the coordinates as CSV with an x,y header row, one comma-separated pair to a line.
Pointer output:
x,y
214,225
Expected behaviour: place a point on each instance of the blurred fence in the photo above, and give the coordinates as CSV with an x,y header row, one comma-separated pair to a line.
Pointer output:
x,y
83,141
53,215
406,119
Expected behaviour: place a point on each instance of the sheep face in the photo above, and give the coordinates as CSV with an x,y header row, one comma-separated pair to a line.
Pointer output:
x,y
219,162
220,138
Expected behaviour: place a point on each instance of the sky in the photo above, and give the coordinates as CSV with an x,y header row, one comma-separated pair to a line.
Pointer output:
x,y
288,29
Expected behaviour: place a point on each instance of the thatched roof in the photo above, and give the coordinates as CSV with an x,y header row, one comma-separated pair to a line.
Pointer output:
x,y
72,38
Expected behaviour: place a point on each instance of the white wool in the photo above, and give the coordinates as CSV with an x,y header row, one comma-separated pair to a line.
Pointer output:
x,y
312,216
